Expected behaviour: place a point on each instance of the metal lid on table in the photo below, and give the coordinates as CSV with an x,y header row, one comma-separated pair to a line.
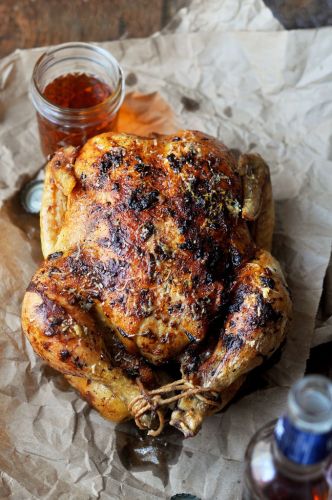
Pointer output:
x,y
31,196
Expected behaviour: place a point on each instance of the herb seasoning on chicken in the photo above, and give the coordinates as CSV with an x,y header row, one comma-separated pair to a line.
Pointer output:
x,y
156,255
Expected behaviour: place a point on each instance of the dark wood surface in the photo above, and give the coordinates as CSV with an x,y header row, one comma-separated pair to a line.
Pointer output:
x,y
32,23
320,360
296,14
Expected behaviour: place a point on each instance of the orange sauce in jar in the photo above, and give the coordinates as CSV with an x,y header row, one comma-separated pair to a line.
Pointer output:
x,y
75,91
73,106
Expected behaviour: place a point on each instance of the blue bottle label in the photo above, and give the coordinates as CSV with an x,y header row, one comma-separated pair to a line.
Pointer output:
x,y
299,446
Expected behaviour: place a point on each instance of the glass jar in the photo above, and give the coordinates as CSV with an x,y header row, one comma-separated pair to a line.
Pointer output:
x,y
61,126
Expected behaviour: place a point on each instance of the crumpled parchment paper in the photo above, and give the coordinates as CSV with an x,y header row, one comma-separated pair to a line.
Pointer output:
x,y
226,15
263,92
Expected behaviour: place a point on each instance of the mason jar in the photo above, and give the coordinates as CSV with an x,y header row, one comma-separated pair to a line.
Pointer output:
x,y
69,64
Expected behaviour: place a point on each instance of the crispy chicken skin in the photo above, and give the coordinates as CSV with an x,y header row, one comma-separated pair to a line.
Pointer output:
x,y
156,261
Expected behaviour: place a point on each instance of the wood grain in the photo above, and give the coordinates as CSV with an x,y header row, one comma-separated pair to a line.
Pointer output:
x,y
32,23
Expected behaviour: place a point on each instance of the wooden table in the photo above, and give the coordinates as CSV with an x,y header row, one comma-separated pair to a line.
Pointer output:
x,y
31,23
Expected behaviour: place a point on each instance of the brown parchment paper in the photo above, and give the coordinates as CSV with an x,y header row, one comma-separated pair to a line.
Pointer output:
x,y
264,92
228,15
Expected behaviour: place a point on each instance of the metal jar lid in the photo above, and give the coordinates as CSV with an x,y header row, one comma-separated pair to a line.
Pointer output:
x,y
31,196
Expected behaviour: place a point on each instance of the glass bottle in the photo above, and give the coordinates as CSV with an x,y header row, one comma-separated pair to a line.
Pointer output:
x,y
71,125
290,458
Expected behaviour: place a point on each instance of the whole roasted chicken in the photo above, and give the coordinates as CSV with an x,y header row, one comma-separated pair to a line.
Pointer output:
x,y
158,293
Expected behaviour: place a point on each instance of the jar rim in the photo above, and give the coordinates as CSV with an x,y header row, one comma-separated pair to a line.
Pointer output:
x,y
114,99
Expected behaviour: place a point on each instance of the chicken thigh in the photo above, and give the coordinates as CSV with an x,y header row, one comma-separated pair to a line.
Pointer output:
x,y
158,292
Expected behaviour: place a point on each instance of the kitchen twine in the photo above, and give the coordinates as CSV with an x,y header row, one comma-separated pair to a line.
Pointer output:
x,y
152,400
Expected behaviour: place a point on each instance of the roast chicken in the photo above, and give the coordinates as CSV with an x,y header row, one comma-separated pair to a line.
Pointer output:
x,y
158,292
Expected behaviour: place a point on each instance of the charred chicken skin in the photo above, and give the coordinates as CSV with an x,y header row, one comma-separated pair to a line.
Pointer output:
x,y
158,293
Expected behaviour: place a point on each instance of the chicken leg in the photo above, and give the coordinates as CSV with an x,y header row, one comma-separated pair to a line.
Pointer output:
x,y
254,328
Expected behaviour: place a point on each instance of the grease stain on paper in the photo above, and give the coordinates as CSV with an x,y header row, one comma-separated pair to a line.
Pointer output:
x,y
228,111
131,79
27,223
139,452
189,104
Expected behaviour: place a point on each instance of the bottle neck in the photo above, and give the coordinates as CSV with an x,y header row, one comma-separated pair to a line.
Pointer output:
x,y
297,470
303,436
301,447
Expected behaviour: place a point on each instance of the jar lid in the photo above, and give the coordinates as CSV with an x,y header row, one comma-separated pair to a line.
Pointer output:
x,y
31,196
